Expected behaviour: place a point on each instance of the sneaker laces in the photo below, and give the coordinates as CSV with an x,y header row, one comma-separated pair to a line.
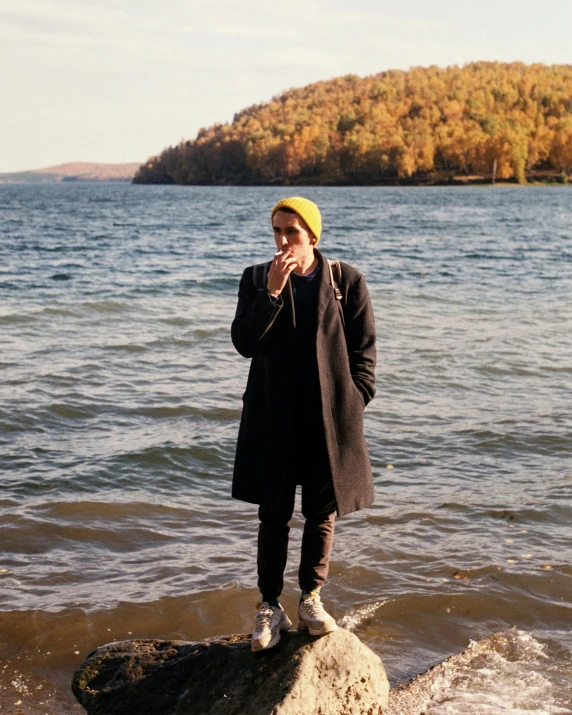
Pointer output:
x,y
313,605
264,615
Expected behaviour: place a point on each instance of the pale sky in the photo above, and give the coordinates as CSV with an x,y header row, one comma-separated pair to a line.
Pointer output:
x,y
119,80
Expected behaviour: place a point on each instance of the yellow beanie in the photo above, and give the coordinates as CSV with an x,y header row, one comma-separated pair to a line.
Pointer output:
x,y
306,209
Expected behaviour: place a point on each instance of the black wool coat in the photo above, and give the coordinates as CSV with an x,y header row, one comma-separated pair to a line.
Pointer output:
x,y
264,331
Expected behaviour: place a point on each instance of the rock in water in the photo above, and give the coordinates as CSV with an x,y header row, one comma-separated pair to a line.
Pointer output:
x,y
302,675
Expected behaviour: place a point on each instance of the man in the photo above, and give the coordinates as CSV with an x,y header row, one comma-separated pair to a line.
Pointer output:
x,y
309,328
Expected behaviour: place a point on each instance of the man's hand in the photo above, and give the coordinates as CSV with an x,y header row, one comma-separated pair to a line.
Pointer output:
x,y
281,267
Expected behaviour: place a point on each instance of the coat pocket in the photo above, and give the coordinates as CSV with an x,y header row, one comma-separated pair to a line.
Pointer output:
x,y
360,394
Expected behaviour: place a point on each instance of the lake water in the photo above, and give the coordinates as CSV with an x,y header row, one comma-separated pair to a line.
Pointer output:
x,y
119,409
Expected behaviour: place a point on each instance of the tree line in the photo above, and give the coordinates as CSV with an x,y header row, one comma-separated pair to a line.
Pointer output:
x,y
486,119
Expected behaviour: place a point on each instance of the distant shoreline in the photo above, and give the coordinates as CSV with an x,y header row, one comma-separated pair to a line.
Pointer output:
x,y
38,181
544,180
104,175
533,178
72,172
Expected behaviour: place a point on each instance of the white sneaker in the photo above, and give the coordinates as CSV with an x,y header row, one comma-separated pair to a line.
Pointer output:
x,y
270,621
313,616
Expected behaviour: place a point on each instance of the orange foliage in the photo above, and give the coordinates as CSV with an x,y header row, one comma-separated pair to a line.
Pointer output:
x,y
418,125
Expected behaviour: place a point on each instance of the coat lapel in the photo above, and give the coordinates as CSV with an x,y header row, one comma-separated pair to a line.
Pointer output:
x,y
325,290
288,298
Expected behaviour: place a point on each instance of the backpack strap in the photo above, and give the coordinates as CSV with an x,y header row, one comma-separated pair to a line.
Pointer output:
x,y
335,268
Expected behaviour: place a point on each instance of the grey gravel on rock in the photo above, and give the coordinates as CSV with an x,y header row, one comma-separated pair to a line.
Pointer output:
x,y
333,675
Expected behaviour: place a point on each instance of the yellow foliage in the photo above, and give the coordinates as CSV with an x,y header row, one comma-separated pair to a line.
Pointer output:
x,y
391,126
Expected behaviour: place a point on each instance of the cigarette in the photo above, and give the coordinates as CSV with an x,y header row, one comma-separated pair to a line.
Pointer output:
x,y
279,253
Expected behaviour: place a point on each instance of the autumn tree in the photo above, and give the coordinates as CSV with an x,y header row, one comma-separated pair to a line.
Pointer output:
x,y
393,126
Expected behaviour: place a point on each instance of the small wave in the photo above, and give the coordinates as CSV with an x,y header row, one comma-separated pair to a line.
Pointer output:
x,y
509,371
106,306
165,411
126,347
209,285
202,333
508,672
71,412
497,676
110,511
513,442
64,312
353,620
17,318
177,321
170,456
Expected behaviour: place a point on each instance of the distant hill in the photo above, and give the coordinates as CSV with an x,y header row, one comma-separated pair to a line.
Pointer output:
x,y
480,122
77,171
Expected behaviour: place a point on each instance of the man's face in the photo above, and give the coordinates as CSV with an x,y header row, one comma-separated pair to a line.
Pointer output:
x,y
291,231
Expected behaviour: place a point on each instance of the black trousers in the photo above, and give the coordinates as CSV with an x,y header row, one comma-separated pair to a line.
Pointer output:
x,y
311,470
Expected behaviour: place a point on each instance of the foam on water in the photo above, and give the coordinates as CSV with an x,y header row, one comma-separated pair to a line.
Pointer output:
x,y
506,674
498,677
353,620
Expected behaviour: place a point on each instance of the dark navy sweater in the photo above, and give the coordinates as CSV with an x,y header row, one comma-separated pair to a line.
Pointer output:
x,y
305,291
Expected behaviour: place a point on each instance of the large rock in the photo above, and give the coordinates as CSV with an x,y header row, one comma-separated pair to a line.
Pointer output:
x,y
333,675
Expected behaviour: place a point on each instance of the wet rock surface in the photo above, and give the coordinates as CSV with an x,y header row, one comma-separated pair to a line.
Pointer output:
x,y
330,675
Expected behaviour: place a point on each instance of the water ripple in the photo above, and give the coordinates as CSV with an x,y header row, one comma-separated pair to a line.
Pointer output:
x,y
120,404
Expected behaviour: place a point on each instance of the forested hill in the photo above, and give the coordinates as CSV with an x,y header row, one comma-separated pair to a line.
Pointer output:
x,y
427,124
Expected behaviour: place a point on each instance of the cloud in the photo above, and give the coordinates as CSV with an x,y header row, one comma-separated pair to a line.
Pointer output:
x,y
53,12
140,72
295,21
